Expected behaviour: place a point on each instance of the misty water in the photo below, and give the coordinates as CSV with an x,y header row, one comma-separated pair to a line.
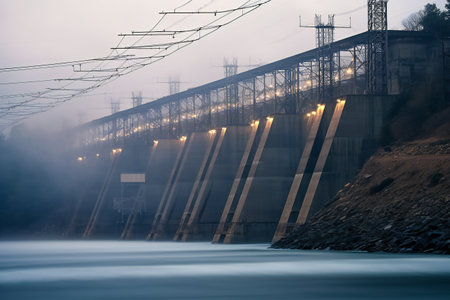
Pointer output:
x,y
156,270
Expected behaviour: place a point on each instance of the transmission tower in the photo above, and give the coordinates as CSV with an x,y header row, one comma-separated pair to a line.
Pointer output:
x,y
230,68
115,106
377,46
136,98
325,72
174,86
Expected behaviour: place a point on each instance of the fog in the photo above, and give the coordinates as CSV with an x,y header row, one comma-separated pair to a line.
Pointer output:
x,y
40,178
51,31
156,270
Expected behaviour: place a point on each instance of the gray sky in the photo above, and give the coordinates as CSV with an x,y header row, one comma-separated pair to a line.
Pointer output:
x,y
46,31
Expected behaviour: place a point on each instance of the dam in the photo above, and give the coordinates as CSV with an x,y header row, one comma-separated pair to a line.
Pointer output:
x,y
249,157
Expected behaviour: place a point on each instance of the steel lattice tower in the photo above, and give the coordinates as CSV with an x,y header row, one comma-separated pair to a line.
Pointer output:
x,y
232,92
377,46
136,98
325,60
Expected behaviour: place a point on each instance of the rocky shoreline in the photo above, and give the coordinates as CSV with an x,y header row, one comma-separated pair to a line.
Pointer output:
x,y
399,203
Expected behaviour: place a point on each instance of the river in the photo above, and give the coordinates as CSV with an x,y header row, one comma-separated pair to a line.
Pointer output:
x,y
158,270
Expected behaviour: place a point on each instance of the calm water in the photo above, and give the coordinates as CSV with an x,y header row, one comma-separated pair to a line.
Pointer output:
x,y
150,270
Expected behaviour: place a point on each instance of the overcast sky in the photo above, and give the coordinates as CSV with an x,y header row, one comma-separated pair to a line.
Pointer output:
x,y
46,31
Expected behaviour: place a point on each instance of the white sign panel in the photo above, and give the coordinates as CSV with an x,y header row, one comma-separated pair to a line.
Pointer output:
x,y
132,178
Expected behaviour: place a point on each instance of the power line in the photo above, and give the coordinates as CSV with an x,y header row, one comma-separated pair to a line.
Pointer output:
x,y
58,64
126,63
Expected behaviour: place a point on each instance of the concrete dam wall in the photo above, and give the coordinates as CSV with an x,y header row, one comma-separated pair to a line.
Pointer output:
x,y
241,183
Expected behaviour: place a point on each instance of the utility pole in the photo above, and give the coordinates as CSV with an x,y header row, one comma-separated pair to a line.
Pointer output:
x,y
325,71
377,46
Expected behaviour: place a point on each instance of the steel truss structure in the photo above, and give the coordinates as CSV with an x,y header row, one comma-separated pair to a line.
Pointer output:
x,y
377,46
325,69
287,86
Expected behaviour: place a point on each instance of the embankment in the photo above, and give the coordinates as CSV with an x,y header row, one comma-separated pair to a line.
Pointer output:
x,y
399,202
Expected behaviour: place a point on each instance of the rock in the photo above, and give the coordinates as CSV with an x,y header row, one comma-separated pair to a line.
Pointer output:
x,y
381,186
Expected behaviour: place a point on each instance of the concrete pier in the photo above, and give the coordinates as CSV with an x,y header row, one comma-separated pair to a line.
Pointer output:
x,y
270,176
181,189
301,178
351,139
237,184
243,183
164,161
210,202
106,221
90,175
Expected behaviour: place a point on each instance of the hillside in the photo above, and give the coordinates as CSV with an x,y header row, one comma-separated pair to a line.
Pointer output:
x,y
399,202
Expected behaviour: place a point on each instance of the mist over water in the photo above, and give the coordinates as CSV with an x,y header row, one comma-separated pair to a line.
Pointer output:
x,y
157,270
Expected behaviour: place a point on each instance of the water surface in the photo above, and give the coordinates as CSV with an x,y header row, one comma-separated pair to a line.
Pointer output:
x,y
156,270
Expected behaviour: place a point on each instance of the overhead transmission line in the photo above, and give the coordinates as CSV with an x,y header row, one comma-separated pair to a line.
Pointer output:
x,y
127,63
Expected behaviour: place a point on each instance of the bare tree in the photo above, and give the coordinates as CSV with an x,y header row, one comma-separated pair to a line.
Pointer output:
x,y
414,21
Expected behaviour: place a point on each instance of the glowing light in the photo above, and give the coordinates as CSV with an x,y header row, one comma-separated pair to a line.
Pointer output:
x,y
349,71
98,154
313,113
308,83
212,131
115,151
338,100
270,119
308,115
155,142
183,138
79,158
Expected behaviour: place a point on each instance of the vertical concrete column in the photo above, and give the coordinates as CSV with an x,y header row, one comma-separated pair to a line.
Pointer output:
x,y
128,228
193,192
183,190
313,127
162,202
321,161
168,198
248,183
102,194
221,230
200,198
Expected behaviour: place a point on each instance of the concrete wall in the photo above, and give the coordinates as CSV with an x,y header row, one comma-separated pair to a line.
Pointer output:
x,y
354,142
184,180
247,183
413,60
266,188
91,174
108,222
210,202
